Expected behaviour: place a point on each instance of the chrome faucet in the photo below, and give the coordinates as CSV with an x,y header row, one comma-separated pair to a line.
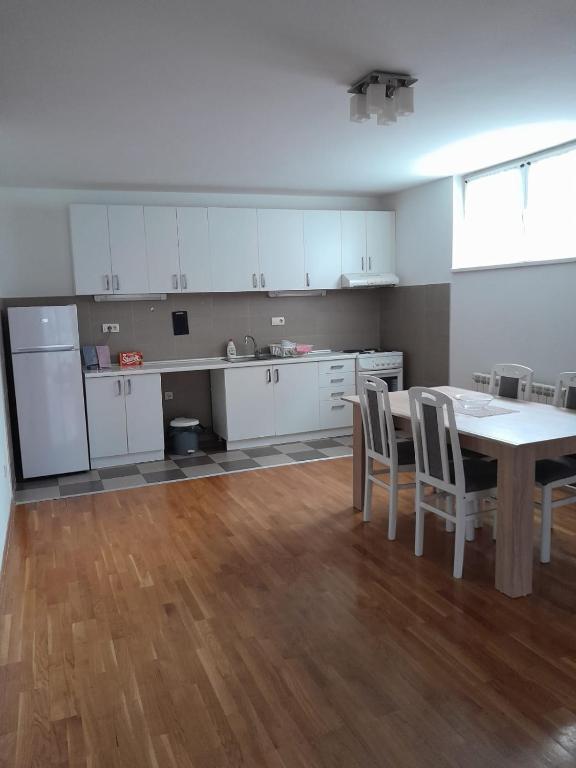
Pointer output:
x,y
253,340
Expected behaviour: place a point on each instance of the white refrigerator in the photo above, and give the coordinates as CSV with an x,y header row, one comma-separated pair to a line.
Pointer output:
x,y
49,390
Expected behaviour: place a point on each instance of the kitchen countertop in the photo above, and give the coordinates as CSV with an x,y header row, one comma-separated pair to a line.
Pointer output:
x,y
212,364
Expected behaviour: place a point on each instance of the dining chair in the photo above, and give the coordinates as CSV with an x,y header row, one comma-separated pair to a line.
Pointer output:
x,y
511,380
383,447
439,464
556,473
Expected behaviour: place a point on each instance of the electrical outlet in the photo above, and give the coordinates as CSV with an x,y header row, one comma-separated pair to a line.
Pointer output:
x,y
110,328
278,321
168,395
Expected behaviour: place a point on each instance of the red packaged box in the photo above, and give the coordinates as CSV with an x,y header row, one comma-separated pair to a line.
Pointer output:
x,y
130,359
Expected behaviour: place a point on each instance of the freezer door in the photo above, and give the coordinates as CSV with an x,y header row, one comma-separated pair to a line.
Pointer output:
x,y
37,328
50,408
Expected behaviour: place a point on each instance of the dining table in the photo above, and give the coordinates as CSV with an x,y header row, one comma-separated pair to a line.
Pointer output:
x,y
518,434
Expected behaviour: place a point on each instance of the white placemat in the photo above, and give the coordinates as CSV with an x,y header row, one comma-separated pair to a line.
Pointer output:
x,y
481,413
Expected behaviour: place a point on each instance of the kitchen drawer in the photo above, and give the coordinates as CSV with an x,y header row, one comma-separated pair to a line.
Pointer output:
x,y
338,379
334,414
337,366
335,392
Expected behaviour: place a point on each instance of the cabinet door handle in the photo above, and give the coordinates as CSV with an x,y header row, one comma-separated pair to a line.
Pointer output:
x,y
106,282
262,280
307,279
336,367
175,282
336,381
338,407
254,280
337,394
276,375
119,385
184,282
115,283
362,264
268,376
128,387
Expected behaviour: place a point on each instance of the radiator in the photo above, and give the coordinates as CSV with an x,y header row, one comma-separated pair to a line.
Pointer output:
x,y
541,393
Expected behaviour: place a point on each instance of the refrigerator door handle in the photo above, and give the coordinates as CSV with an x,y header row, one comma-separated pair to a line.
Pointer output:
x,y
47,348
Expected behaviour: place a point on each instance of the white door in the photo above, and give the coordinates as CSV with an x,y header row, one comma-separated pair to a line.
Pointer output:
x,y
128,249
249,402
322,249
296,401
281,250
353,241
162,249
143,395
44,329
106,416
233,249
194,247
50,408
380,241
90,249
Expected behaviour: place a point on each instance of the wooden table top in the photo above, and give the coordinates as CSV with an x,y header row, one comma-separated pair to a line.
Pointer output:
x,y
529,424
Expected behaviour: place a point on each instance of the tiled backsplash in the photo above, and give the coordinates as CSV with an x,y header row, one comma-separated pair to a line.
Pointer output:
x,y
339,320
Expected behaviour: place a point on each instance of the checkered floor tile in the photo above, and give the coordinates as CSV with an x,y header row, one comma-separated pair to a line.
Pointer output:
x,y
201,464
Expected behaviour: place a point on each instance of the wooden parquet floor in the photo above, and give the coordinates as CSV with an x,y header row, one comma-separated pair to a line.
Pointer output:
x,y
253,620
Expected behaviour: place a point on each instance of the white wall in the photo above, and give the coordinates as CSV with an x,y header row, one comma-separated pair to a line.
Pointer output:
x,y
35,257
424,233
521,315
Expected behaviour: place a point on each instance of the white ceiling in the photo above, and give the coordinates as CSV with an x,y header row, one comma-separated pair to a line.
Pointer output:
x,y
251,94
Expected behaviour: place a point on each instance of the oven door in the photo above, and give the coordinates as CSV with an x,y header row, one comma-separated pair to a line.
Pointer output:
x,y
392,377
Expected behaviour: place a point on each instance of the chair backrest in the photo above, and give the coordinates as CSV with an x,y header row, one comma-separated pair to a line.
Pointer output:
x,y
436,442
379,431
565,392
511,380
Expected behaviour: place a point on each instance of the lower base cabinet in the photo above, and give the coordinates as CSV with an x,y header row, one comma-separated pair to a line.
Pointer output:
x,y
125,422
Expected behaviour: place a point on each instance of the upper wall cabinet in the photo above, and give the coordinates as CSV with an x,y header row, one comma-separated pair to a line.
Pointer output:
x,y
380,241
234,249
281,250
194,249
91,249
128,249
322,249
162,249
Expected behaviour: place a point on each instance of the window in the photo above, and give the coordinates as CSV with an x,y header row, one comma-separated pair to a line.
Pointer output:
x,y
520,214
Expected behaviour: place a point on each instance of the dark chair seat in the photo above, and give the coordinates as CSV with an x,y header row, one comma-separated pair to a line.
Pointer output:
x,y
406,455
552,470
479,475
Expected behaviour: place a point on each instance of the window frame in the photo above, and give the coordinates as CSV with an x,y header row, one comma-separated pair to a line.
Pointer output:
x,y
522,163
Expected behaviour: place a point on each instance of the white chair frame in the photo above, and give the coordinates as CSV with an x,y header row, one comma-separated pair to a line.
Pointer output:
x,y
523,374
467,508
564,383
387,457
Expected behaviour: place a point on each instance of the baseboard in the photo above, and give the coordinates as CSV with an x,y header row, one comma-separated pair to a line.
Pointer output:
x,y
7,542
257,442
127,458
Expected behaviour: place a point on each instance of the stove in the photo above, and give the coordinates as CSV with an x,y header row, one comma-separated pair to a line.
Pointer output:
x,y
383,365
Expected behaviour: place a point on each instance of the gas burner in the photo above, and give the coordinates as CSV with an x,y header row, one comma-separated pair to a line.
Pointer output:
x,y
360,351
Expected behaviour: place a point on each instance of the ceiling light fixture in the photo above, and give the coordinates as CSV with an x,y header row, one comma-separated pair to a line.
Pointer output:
x,y
387,95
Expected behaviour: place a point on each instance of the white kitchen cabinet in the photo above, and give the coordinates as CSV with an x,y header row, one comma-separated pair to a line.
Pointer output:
x,y
106,411
380,241
322,249
243,402
281,250
128,249
162,249
296,398
194,249
144,422
124,419
91,249
234,249
353,241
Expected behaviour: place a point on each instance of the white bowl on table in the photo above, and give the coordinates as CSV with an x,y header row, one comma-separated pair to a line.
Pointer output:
x,y
469,401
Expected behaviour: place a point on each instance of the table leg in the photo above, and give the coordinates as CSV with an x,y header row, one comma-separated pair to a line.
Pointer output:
x,y
358,459
514,542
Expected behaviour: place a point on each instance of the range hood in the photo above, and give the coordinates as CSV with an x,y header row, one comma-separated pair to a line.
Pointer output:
x,y
366,280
